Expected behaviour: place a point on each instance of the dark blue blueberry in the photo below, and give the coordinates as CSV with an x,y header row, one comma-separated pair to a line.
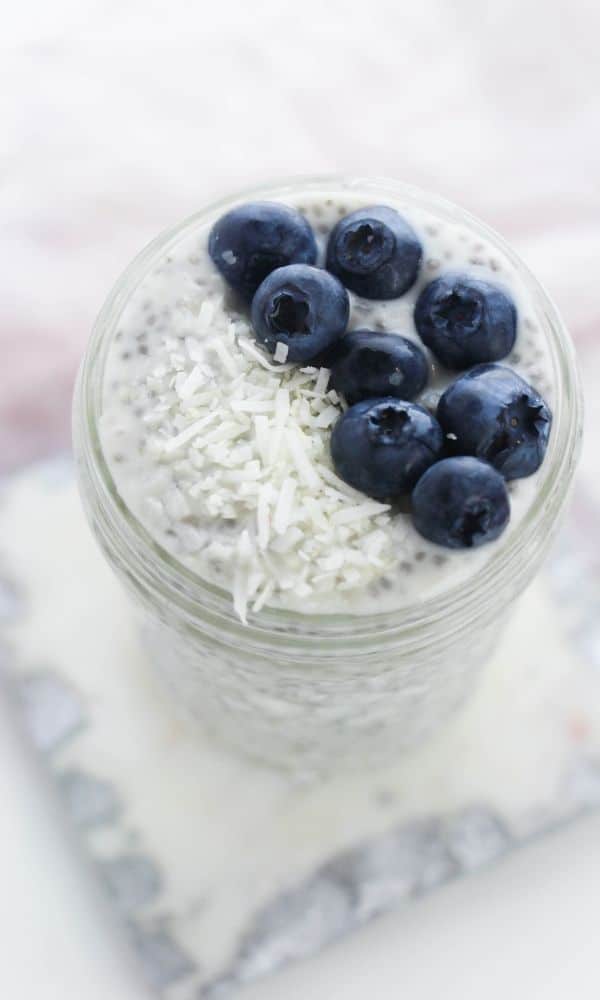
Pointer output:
x,y
252,240
375,253
461,503
302,307
367,365
383,446
465,320
494,414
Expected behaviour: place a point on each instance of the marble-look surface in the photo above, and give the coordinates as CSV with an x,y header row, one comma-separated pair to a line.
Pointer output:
x,y
223,871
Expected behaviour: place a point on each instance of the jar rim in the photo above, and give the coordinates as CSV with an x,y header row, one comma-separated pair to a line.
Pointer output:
x,y
206,604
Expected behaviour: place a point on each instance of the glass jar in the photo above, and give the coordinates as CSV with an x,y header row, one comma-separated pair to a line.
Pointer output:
x,y
324,692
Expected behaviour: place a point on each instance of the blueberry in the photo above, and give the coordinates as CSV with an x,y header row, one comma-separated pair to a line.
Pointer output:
x,y
383,446
375,253
461,503
465,320
492,413
367,365
250,241
302,307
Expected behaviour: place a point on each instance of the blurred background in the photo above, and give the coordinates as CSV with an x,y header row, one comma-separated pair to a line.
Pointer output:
x,y
118,119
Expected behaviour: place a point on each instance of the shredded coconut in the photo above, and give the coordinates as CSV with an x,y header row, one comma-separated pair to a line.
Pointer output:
x,y
281,352
239,440
236,460
191,431
252,351
322,381
283,509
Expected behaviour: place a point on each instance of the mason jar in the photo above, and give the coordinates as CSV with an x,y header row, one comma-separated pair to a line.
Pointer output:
x,y
324,692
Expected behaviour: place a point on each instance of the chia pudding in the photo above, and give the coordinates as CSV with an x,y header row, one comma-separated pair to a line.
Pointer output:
x,y
222,450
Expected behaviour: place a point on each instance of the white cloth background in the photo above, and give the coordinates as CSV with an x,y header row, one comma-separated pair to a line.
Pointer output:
x,y
119,118
116,119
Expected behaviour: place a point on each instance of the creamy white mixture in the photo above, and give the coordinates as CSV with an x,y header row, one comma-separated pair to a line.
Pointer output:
x,y
223,454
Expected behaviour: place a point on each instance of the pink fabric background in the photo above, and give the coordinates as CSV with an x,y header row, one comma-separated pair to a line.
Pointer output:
x,y
118,119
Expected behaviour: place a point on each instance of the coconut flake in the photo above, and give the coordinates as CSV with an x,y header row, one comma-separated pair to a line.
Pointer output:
x,y
315,511
264,596
225,356
176,504
327,417
282,410
261,436
195,349
263,515
306,470
191,382
288,541
358,513
155,511
281,352
342,488
284,505
191,539
253,405
250,471
244,547
332,562
190,432
254,352
322,381
229,430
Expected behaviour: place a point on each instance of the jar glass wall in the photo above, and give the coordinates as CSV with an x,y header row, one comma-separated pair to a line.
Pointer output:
x,y
321,691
